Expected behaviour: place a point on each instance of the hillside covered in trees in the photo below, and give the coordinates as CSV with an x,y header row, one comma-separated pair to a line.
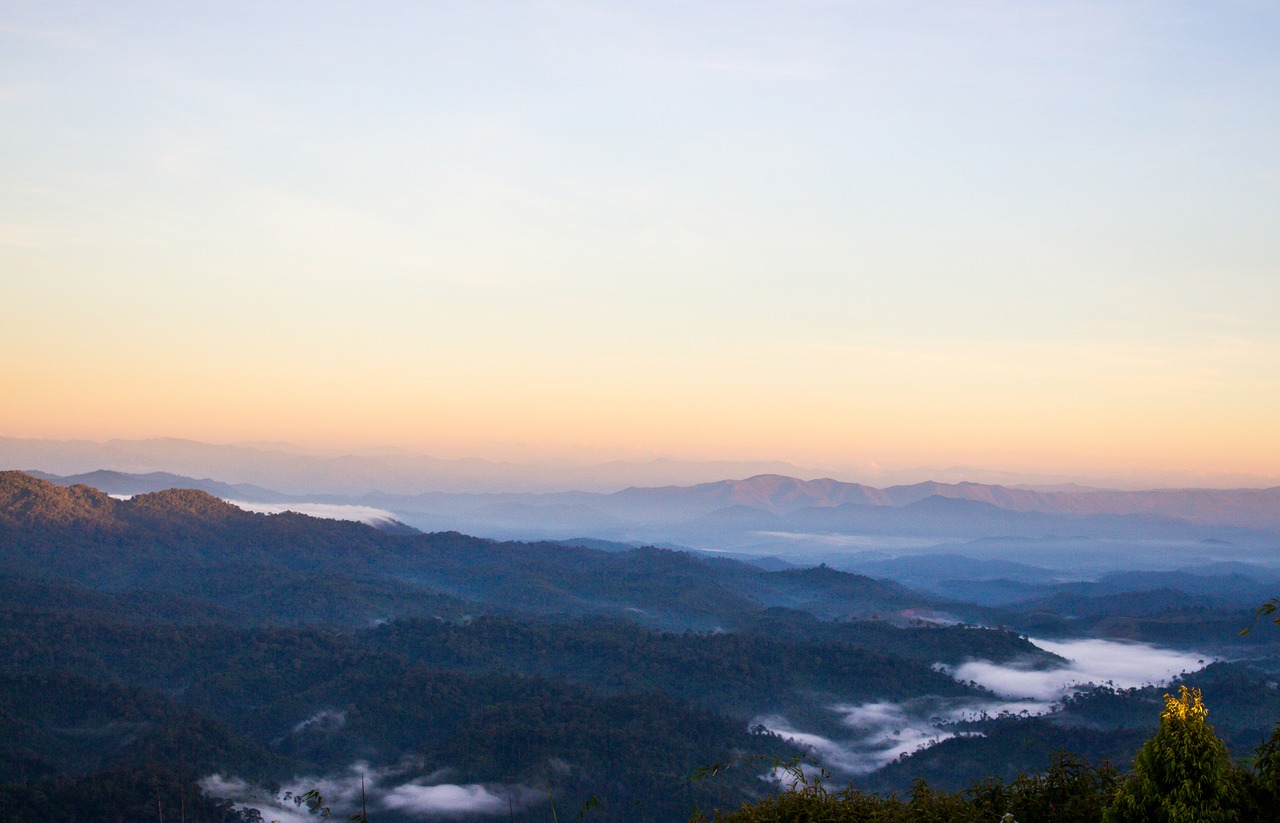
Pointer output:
x,y
171,651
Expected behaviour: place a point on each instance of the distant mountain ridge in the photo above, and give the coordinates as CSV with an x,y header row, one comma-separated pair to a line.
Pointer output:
x,y
115,482
771,492
1255,508
293,470
778,494
776,521
189,541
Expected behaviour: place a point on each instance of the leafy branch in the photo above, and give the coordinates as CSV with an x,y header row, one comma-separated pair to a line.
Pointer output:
x,y
1265,610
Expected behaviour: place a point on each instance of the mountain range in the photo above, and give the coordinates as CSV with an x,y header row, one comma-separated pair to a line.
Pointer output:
x,y
780,495
1085,532
297,470
294,469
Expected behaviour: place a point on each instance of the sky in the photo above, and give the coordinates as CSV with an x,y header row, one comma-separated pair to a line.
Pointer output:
x,y
1023,236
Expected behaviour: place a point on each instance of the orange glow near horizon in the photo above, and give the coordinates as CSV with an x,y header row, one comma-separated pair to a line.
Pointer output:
x,y
902,409
849,237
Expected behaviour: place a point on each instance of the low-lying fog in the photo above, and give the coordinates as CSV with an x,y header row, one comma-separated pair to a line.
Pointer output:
x,y
328,511
1067,557
430,797
371,515
879,732
1090,662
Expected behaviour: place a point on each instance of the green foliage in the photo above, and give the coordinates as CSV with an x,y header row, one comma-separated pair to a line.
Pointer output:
x,y
240,699
1183,773
1263,791
315,803
806,799
926,643
744,674
1070,791
1268,609
148,793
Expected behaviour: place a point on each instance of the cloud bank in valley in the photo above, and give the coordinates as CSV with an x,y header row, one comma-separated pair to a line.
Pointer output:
x,y
422,797
1097,662
879,732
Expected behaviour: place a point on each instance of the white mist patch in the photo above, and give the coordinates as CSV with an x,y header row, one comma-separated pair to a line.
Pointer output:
x,y
1090,662
323,720
329,511
247,796
423,797
451,800
836,756
880,732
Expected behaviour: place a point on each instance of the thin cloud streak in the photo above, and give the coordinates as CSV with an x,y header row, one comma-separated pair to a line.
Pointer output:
x,y
328,511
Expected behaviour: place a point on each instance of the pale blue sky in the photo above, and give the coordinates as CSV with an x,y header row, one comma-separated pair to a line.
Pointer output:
x,y
1020,232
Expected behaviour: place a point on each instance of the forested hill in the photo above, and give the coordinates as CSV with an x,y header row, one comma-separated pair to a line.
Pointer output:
x,y
153,641
27,501
189,542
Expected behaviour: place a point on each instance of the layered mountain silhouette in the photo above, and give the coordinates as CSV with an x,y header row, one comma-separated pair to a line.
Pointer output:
x,y
778,494
114,482
1251,508
779,520
188,541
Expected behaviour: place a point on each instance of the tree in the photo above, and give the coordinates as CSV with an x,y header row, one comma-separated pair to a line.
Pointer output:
x,y
1264,788
1183,774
